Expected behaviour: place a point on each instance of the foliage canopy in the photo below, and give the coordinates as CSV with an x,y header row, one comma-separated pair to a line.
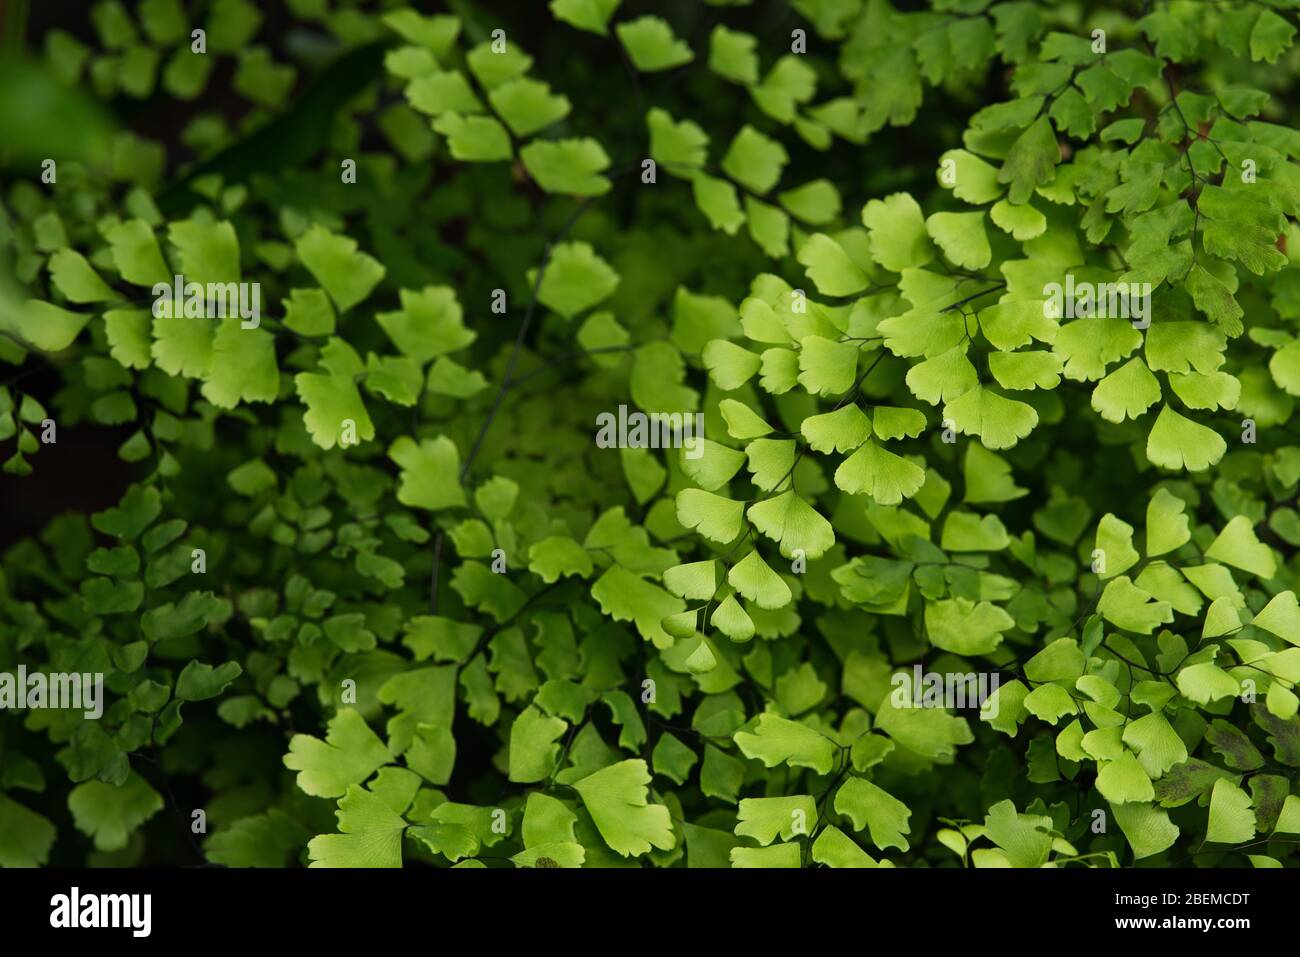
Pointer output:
x,y
371,594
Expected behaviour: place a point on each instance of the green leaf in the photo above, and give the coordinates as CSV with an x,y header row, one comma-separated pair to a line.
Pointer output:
x,y
834,848
778,855
26,837
672,759
493,65
1281,617
616,799
827,367
209,252
714,467
137,510
816,202
1010,325
651,44
474,139
966,532
753,578
943,377
1090,345
590,15
1167,525
1215,299
128,336
243,367
44,325
135,252
694,581
898,235
349,276
1270,37
183,347
1115,542
1050,703
714,516
795,524
429,324
962,238
443,92
370,834
429,476
885,817
1238,546
1231,819
788,83
567,166
999,422
438,32
110,814
332,403
1031,161
1184,346
1024,838
732,620
1205,682
965,627
198,682
717,200
830,268
533,748
1179,443
754,160
309,312
677,146
842,430
988,476
1147,828
625,597
350,753
742,421
874,471
575,279
76,279
1072,114
729,365
1288,821
528,105
771,461
766,819
969,177
1022,222
1004,709
776,740
732,55
1127,606
558,557
1156,743
1126,393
